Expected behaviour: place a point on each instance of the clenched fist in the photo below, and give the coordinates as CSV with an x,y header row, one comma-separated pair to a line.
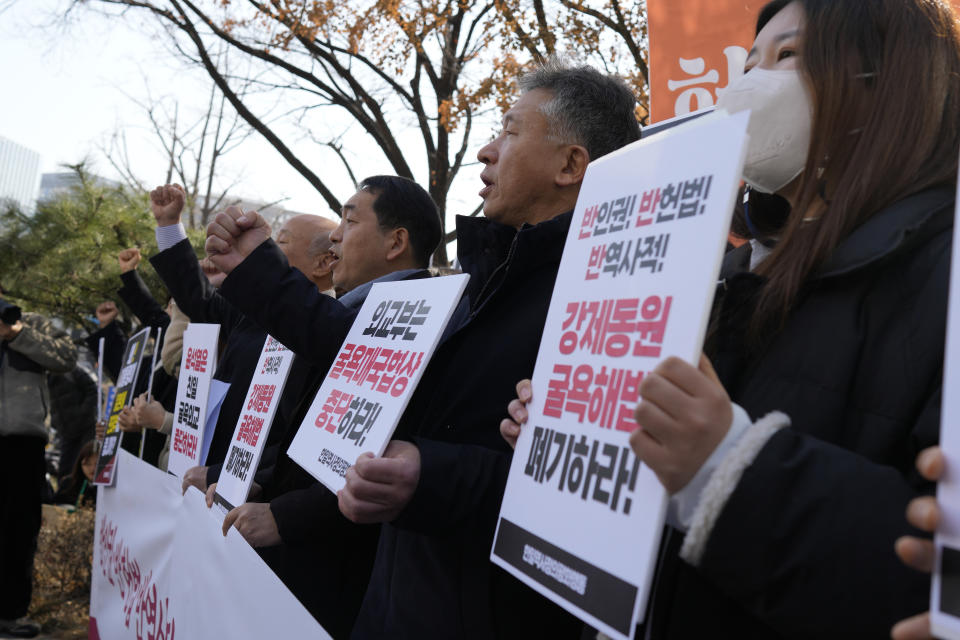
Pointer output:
x,y
166,204
128,259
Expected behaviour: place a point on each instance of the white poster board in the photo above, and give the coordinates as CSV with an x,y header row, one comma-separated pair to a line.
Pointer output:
x,y
945,591
379,365
162,569
581,518
253,426
197,364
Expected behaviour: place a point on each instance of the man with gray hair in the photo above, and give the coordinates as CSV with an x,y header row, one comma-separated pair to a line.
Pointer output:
x,y
438,486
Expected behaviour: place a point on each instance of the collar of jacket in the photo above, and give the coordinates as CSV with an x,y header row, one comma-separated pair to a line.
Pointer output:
x,y
898,227
483,244
355,298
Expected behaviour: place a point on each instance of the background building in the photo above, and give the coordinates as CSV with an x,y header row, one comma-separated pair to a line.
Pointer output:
x,y
19,174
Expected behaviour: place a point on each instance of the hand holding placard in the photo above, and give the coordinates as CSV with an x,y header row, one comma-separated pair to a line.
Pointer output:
x,y
919,553
195,477
255,522
366,390
683,414
634,286
378,489
510,427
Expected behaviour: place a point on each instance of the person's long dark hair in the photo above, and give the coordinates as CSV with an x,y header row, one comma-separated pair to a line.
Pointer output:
x,y
885,79
75,481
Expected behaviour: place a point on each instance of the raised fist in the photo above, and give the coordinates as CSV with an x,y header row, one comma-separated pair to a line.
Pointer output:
x,y
233,235
10,331
128,259
166,204
214,275
106,312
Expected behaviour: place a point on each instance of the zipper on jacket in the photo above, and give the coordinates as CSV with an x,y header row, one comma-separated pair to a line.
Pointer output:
x,y
480,297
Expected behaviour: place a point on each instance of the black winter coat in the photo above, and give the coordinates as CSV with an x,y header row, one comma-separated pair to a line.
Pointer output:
x,y
137,296
317,538
73,404
804,546
242,341
150,313
433,577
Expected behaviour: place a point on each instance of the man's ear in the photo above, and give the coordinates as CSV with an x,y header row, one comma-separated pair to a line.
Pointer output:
x,y
575,161
322,265
325,262
397,244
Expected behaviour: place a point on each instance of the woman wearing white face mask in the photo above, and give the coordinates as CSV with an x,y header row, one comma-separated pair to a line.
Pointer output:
x,y
791,478
791,466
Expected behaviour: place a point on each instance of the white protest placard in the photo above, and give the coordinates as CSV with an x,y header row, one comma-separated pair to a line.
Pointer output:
x,y
250,434
197,364
162,569
581,518
379,365
945,589
100,411
126,385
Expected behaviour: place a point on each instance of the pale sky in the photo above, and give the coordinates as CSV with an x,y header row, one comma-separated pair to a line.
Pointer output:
x,y
63,95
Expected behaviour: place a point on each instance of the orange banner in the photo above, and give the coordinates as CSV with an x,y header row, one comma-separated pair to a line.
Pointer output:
x,y
696,47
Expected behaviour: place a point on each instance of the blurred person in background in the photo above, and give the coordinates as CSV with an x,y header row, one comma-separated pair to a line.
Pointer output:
x,y
30,346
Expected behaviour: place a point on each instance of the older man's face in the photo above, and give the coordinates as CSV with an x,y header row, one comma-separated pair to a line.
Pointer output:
x,y
521,163
294,240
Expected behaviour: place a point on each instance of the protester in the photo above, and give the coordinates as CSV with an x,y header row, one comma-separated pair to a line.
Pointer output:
x,y
73,412
135,293
242,339
108,328
438,486
148,311
29,347
388,232
840,328
77,488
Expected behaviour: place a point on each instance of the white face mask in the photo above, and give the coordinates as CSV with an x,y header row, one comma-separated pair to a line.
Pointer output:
x,y
780,122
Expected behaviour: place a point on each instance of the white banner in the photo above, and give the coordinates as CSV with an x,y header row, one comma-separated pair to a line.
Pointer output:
x,y
581,518
366,390
197,364
163,570
253,426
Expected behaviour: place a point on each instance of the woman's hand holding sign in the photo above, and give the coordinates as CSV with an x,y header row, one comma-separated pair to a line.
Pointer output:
x,y
924,514
684,413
